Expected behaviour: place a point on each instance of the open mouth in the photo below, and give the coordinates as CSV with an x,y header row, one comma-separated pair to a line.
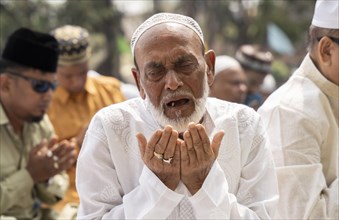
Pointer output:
x,y
177,103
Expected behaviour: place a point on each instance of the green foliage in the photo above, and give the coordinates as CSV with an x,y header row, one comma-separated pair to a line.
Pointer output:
x,y
280,71
123,45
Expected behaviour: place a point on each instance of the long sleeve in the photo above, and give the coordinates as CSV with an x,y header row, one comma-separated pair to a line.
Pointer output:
x,y
14,188
305,149
54,190
214,201
103,196
113,182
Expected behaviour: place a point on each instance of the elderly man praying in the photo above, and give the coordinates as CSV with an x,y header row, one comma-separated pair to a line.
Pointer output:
x,y
173,153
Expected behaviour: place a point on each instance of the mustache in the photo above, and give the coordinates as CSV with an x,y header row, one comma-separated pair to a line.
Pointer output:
x,y
176,93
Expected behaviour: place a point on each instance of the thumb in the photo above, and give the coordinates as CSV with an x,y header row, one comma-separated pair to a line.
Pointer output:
x,y
216,142
142,143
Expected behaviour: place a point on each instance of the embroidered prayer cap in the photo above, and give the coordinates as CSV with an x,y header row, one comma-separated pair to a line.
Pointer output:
x,y
225,62
165,18
251,57
326,14
32,49
73,43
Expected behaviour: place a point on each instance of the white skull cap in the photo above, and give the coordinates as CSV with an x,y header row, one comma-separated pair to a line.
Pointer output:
x,y
326,14
225,62
165,18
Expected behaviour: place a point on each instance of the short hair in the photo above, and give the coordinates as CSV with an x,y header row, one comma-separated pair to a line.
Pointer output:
x,y
315,33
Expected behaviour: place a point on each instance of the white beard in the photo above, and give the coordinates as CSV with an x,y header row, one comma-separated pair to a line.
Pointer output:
x,y
180,123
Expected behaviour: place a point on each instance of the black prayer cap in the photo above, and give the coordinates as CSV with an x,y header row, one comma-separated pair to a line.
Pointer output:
x,y
32,49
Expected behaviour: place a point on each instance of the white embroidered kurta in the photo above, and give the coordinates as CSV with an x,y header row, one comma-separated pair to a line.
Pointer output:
x,y
113,182
301,119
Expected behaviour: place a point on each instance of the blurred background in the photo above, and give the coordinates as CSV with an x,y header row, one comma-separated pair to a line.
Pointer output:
x,y
278,25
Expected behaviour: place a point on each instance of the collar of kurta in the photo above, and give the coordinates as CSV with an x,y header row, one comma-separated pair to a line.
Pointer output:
x,y
311,72
3,116
63,95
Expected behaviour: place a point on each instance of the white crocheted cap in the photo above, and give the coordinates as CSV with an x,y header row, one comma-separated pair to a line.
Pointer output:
x,y
165,18
326,14
225,62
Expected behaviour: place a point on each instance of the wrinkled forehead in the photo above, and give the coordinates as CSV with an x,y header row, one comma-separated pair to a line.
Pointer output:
x,y
167,39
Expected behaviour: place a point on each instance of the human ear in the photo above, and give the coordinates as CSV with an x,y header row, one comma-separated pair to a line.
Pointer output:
x,y
325,50
136,75
210,61
4,84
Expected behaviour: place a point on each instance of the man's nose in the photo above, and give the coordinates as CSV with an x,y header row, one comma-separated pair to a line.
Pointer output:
x,y
173,81
243,87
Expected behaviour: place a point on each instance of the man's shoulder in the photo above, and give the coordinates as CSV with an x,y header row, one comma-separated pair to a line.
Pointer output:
x,y
131,105
299,93
221,108
119,115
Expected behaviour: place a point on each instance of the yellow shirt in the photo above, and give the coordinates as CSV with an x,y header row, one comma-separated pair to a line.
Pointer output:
x,y
69,113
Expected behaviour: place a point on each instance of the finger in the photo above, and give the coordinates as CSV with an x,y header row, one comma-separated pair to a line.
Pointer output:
x,y
64,148
184,154
160,147
67,160
52,142
171,146
150,146
205,141
39,148
215,145
196,140
177,152
142,143
189,146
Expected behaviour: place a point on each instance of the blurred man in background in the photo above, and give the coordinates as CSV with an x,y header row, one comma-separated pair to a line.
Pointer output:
x,y
32,158
230,82
78,95
301,118
256,64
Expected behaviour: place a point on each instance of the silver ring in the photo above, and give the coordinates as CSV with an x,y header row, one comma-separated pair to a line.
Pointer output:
x,y
55,158
56,165
169,160
49,153
159,156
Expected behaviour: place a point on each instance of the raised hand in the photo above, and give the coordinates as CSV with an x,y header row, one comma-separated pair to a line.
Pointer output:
x,y
48,159
162,155
198,156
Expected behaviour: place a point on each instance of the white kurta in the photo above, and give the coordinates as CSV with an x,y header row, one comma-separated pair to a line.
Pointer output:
x,y
301,119
113,182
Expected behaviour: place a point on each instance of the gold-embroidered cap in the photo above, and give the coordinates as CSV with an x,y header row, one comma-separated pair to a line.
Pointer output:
x,y
254,58
73,44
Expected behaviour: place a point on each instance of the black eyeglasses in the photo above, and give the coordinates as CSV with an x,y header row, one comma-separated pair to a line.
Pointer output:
x,y
334,39
39,86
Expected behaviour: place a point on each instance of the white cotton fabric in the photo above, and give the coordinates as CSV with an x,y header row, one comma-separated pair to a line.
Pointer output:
x,y
113,182
301,119
165,18
224,62
326,14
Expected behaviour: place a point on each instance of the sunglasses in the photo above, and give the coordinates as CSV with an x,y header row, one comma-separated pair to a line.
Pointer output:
x,y
39,86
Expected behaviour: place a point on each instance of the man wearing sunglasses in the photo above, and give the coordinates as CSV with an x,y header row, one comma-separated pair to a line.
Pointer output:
x,y
301,118
32,157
